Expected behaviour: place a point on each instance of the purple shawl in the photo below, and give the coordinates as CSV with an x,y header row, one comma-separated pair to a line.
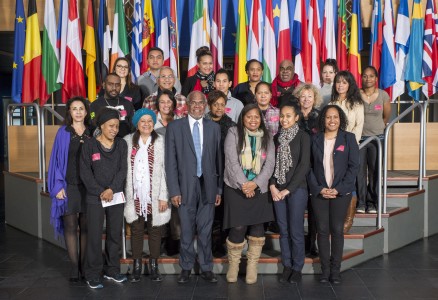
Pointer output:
x,y
56,178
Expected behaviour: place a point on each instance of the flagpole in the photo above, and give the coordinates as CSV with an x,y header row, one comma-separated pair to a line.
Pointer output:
x,y
53,109
24,116
413,111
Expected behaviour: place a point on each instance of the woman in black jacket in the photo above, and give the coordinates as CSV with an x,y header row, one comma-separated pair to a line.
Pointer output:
x,y
335,163
289,189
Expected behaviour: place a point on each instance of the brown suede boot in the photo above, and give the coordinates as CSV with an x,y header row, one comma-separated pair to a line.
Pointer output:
x,y
255,245
234,255
350,215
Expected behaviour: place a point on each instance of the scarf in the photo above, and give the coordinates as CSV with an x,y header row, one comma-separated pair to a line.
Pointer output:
x,y
252,161
209,78
294,82
142,168
283,161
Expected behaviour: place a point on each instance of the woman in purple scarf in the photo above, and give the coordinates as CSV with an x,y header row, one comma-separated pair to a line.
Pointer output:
x,y
65,186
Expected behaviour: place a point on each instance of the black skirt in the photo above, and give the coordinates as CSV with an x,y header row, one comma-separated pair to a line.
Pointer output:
x,y
242,211
76,195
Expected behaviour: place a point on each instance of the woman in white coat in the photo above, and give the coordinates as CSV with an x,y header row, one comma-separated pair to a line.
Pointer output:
x,y
146,191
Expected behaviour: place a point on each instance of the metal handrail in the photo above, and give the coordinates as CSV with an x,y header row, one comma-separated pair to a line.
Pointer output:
x,y
379,185
10,111
44,111
385,158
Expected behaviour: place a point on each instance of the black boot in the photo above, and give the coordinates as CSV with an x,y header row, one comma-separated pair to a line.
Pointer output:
x,y
155,273
136,271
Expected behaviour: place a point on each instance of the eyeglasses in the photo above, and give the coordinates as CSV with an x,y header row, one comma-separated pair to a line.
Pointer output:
x,y
167,77
122,67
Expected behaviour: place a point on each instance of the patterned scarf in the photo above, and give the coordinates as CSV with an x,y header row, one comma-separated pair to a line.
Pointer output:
x,y
284,162
209,78
137,203
250,162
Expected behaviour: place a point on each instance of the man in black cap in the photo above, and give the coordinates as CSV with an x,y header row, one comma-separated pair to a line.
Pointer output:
x,y
110,98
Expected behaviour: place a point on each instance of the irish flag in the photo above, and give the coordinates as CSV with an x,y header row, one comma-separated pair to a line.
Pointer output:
x,y
120,40
50,65
200,33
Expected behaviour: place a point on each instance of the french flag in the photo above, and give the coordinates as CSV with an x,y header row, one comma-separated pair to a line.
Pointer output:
x,y
302,47
163,33
328,42
388,73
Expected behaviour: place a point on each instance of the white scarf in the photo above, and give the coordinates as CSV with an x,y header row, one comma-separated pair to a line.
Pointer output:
x,y
142,178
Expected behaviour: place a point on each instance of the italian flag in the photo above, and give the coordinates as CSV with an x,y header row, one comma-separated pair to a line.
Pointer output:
x,y
120,40
200,33
50,65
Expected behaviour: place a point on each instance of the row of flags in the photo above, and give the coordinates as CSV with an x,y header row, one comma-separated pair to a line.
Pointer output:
x,y
407,53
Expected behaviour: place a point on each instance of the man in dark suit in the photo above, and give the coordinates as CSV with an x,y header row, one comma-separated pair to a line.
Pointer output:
x,y
194,180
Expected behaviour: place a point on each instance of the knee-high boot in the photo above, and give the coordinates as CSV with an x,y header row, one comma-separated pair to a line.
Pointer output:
x,y
255,245
350,214
234,255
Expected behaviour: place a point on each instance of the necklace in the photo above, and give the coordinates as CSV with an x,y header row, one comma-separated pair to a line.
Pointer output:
x,y
118,101
368,96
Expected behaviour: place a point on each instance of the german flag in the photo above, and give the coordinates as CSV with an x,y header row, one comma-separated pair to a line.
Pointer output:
x,y
90,49
33,83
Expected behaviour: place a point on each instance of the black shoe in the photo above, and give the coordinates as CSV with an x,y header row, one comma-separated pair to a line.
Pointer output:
x,y
295,277
155,273
335,279
324,278
287,271
136,271
209,276
184,276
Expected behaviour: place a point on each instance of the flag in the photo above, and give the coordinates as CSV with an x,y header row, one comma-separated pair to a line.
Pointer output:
x,y
301,46
355,43
148,34
19,40
315,42
50,61
136,47
119,47
90,49
387,73
328,42
269,49
104,38
163,33
402,35
33,83
74,84
200,33
284,43
342,37
255,33
216,34
430,51
413,72
376,35
174,46
241,44
62,38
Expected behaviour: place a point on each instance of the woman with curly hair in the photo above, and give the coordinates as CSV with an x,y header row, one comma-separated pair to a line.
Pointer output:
x,y
334,167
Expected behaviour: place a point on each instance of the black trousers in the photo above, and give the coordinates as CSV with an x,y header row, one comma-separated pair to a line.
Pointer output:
x,y
94,262
330,215
368,176
196,217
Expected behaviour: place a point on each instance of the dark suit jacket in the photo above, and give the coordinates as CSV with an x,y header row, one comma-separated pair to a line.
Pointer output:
x,y
181,161
345,163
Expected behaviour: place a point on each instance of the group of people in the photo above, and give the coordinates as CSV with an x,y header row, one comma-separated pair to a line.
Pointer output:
x,y
182,158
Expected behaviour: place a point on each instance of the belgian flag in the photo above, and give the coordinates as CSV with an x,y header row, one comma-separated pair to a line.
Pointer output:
x,y
33,84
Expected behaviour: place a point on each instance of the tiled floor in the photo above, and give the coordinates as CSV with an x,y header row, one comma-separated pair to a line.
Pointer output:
x,y
33,269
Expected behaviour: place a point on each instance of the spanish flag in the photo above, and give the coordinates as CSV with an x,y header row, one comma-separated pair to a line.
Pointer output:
x,y
90,49
34,86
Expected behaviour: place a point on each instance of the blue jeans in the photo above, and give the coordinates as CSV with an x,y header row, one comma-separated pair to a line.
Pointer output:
x,y
290,219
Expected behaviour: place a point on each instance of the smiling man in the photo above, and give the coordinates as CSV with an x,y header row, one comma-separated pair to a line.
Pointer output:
x,y
285,83
194,178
